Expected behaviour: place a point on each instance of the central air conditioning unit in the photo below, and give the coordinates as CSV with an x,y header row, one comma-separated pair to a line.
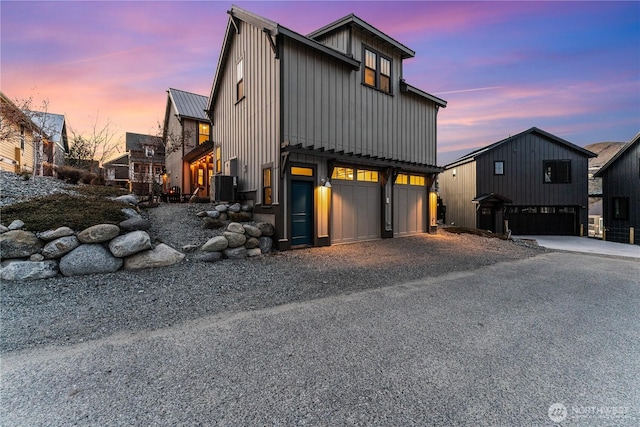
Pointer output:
x,y
224,188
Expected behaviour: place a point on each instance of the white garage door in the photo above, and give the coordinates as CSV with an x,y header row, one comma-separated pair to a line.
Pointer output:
x,y
355,206
409,206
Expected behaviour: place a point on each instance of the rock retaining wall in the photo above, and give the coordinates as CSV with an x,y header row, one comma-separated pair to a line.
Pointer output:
x,y
106,248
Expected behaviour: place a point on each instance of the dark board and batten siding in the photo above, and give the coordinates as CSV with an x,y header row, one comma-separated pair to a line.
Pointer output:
x,y
523,179
326,106
249,129
622,179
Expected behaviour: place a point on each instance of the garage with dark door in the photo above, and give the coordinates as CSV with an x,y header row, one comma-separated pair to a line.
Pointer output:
x,y
559,220
355,205
409,205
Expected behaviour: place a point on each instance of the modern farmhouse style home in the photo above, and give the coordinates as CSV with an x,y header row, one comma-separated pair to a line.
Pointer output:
x,y
535,180
621,194
326,138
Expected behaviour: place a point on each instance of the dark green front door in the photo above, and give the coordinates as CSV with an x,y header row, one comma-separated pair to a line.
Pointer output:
x,y
301,213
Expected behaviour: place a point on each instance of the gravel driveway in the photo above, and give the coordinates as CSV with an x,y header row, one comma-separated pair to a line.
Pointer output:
x,y
67,310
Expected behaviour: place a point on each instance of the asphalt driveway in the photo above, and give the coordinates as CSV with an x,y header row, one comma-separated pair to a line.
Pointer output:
x,y
555,337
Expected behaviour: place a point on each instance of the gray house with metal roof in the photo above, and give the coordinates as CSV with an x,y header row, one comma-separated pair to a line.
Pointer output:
x,y
621,194
55,144
187,137
535,180
327,139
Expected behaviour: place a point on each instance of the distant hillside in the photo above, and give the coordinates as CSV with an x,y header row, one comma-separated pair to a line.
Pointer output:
x,y
605,151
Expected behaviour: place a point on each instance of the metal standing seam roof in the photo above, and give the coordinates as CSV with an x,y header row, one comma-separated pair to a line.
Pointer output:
x,y
53,125
189,104
472,155
136,141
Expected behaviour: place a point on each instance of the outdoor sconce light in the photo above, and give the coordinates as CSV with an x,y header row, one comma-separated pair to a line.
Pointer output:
x,y
325,182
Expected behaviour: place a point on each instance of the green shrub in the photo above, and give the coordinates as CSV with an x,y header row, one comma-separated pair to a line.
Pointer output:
x,y
75,212
70,174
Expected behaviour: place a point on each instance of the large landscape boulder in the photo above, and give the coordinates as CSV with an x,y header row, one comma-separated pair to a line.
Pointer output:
x,y
19,244
127,198
59,232
130,243
162,256
235,227
212,223
266,228
235,239
135,224
28,270
215,244
16,224
235,253
266,244
89,259
99,233
60,247
252,231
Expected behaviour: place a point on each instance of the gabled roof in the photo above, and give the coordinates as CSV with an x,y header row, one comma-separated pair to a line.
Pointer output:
x,y
364,26
189,105
137,141
123,159
16,113
272,29
612,160
54,126
481,151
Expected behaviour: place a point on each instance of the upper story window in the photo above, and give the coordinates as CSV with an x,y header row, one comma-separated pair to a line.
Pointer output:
x,y
203,133
498,167
377,70
22,137
557,171
239,80
218,160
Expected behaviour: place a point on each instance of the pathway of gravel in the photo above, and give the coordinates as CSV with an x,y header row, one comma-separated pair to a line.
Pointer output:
x,y
66,310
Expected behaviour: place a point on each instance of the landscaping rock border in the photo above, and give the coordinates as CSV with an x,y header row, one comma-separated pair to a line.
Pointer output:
x,y
105,248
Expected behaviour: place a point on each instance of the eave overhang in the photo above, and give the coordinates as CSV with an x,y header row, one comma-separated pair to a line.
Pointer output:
x,y
364,160
199,151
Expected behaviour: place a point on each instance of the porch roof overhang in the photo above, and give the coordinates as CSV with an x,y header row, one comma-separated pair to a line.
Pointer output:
x,y
199,151
491,198
364,160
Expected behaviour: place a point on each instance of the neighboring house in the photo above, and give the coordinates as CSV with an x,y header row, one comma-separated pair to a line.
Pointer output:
x,y
328,141
116,171
54,144
146,162
535,180
621,194
188,147
17,134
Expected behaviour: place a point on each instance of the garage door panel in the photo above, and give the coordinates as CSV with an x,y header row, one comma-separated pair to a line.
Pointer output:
x,y
409,210
355,208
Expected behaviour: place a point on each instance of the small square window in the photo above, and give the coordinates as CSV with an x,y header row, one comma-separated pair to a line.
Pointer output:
x,y
498,167
620,208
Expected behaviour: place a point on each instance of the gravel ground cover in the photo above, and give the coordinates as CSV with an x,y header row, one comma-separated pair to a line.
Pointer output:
x,y
66,310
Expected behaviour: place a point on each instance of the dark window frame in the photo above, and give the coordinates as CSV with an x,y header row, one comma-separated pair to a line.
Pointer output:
x,y
620,208
200,135
556,176
240,86
377,70
495,167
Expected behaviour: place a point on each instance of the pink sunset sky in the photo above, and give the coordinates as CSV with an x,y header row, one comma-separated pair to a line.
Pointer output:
x,y
569,68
